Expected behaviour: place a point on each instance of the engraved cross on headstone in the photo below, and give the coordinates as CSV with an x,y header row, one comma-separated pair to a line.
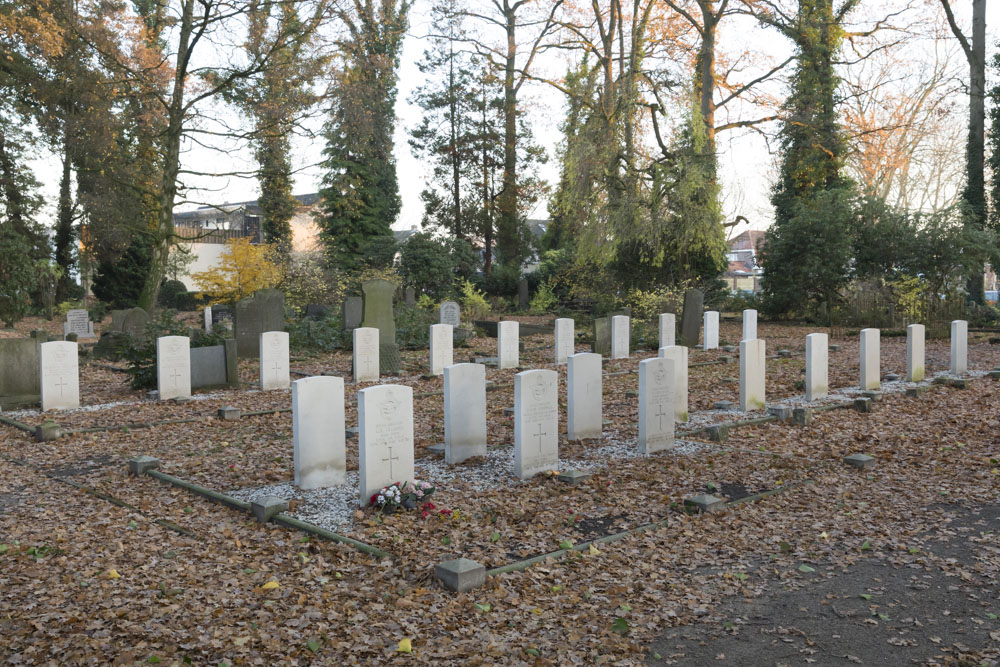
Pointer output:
x,y
661,414
540,435
389,459
276,369
62,383
175,375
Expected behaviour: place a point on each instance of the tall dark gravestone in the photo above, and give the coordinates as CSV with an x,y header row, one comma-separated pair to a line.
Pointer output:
x,y
264,311
353,311
694,304
523,298
378,314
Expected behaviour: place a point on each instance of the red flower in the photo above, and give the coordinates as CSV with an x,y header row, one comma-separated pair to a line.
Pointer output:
x,y
372,501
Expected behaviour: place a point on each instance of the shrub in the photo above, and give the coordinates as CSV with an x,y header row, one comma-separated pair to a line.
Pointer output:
x,y
474,302
140,351
413,326
544,299
327,334
169,290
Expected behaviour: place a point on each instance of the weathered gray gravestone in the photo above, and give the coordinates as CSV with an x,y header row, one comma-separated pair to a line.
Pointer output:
x,y
602,336
214,366
523,298
353,309
134,322
450,312
78,322
264,311
411,297
222,314
20,383
694,303
378,314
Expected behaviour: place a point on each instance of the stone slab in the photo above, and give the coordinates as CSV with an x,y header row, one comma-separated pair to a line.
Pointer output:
x,y
460,575
319,452
536,422
584,396
464,412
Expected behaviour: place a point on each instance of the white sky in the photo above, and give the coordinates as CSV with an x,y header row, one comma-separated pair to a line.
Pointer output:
x,y
746,166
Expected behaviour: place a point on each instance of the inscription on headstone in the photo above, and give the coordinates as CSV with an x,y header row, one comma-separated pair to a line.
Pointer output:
x,y
564,339
619,337
508,350
353,310
366,352
173,367
385,437
536,423
78,322
668,329
60,376
274,360
264,311
656,404
450,312
441,348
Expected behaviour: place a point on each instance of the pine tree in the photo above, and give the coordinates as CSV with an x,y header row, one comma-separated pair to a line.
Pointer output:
x,y
360,194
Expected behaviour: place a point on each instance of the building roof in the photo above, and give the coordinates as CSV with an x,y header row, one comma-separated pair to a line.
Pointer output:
x,y
748,240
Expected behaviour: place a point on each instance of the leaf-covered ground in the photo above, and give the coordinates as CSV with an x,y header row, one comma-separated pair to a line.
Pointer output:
x,y
166,576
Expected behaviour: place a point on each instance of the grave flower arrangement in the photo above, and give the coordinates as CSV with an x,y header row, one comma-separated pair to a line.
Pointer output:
x,y
407,495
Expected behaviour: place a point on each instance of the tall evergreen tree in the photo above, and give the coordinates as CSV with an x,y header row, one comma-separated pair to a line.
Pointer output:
x,y
360,194
807,250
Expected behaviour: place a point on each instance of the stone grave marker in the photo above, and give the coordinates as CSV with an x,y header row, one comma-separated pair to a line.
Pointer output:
x,y
208,319
264,311
134,322
602,336
870,364
536,422
214,366
365,355
959,347
385,437
352,311
274,360
656,404
668,329
584,396
711,333
222,316
564,338
19,377
464,412
317,311
117,317
378,314
523,298
318,432
619,337
508,345
441,348
410,297
60,376
173,367
679,355
694,303
450,312
749,324
915,353
752,375
817,366
78,322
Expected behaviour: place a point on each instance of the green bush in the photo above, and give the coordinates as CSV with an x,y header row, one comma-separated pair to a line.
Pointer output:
x,y
140,352
327,334
544,300
413,326
474,303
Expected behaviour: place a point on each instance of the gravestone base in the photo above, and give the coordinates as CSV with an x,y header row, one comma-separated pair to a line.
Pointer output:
x,y
460,575
21,401
834,348
782,412
874,395
724,405
437,448
890,377
960,383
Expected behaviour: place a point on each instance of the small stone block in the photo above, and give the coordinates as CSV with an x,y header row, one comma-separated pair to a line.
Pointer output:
x,y
436,449
461,575
729,348
229,413
351,432
725,359
782,412
994,375
267,508
874,395
718,433
48,431
140,465
574,477
802,416
632,393
941,379
508,412
730,380
914,392
891,377
724,405
863,404
960,383
784,353
704,503
834,348
152,395
862,461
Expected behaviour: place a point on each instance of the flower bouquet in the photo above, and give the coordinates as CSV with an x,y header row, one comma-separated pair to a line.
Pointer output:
x,y
401,494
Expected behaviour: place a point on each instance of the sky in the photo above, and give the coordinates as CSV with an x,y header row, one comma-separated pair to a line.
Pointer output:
x,y
746,163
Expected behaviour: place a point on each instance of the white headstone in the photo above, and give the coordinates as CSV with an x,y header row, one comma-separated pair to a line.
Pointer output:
x,y
817,366
584,396
274,360
752,375
365,354
441,349
565,341
619,337
536,422
508,349
208,319
173,367
870,364
668,329
915,335
959,347
711,335
60,376
656,403
450,312
679,355
464,412
318,432
78,322
385,437
749,324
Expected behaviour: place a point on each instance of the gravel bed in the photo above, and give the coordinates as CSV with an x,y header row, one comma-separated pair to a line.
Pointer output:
x,y
331,508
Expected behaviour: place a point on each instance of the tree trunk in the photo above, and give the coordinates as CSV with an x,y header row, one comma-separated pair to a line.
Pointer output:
x,y
976,187
508,235
456,162
706,75
64,223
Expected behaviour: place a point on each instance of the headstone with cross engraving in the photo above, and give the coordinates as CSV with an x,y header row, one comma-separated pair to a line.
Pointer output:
x,y
915,353
385,437
752,375
173,367
508,345
464,412
60,376
668,329
536,422
365,354
450,312
959,347
749,324
817,366
656,404
870,364
78,322
274,360
318,432
679,355
441,348
584,395
565,339
619,337
711,330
